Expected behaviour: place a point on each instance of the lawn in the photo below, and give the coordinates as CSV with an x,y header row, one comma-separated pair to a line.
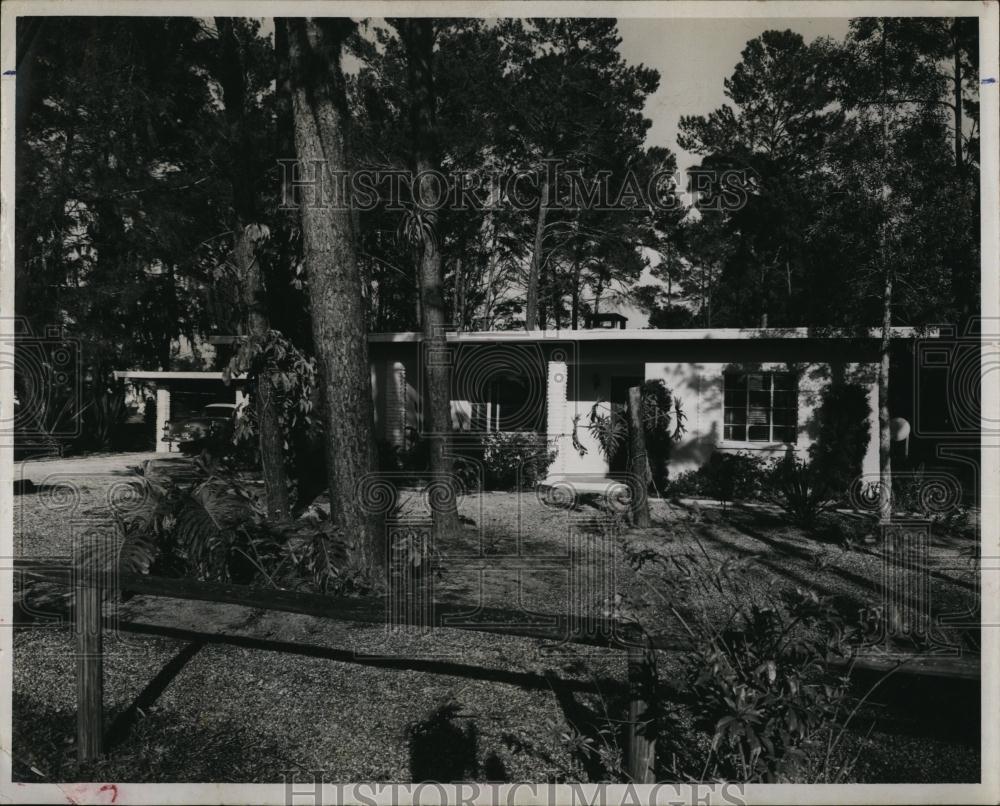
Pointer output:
x,y
456,705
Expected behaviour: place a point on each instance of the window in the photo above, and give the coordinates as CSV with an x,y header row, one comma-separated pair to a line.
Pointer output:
x,y
760,407
512,403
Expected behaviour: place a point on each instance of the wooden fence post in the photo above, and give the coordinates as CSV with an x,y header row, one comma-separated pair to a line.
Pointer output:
x,y
638,479
89,664
642,714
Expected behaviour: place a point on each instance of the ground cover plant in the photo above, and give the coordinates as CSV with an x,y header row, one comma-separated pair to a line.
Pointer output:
x,y
535,714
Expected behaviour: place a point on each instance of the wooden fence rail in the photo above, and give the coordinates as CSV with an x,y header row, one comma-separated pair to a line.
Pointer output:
x,y
90,591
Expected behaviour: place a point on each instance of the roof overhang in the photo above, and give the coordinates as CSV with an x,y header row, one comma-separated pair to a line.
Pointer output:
x,y
165,375
674,334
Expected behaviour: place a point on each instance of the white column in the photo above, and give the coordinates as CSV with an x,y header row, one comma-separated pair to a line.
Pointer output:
x,y
395,403
162,415
871,464
557,429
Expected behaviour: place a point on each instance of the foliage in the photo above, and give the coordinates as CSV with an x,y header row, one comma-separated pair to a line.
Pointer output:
x,y
844,433
600,751
757,670
918,493
609,427
117,180
825,142
515,460
211,525
689,484
766,142
102,418
760,684
801,489
847,531
726,477
509,97
292,377
662,420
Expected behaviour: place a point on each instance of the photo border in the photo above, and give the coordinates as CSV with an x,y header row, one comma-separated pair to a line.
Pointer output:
x,y
987,791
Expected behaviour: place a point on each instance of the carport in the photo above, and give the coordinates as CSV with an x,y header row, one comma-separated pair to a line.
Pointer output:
x,y
177,394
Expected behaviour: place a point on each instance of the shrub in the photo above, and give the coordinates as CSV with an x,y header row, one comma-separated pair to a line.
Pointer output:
x,y
801,489
733,476
212,526
843,437
725,476
762,690
690,484
757,668
846,531
514,459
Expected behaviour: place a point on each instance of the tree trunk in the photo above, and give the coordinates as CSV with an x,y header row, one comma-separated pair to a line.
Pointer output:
x,y
418,36
459,317
638,478
575,314
285,121
535,270
884,435
335,294
963,273
957,59
488,294
271,441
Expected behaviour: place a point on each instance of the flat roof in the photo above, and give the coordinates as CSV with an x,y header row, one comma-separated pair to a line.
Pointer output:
x,y
644,334
172,375
654,334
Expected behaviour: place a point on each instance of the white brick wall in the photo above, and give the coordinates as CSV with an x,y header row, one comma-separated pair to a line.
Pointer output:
x,y
162,416
557,427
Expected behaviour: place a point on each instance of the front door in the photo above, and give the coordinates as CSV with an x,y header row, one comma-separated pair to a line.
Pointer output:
x,y
620,385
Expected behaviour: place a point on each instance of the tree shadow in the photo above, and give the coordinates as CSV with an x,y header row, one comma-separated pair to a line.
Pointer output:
x,y
443,750
123,723
592,727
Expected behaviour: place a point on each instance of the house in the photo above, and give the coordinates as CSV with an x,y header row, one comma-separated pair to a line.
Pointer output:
x,y
753,390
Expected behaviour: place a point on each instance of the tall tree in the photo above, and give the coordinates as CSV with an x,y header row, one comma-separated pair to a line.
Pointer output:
x,y
418,37
768,143
335,291
116,190
233,72
898,139
573,102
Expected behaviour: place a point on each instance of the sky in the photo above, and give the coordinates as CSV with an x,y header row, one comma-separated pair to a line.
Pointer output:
x,y
694,57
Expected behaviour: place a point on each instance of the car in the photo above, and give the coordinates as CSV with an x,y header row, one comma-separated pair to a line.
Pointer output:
x,y
209,430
